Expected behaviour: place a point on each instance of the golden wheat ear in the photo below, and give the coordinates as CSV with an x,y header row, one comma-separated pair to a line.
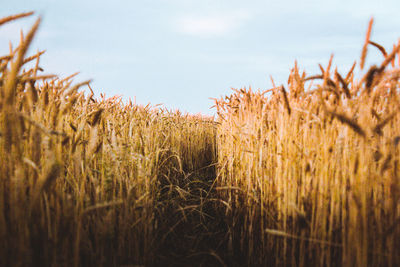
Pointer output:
x,y
365,47
11,81
15,17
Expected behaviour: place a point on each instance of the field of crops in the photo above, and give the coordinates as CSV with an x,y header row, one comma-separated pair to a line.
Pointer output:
x,y
302,175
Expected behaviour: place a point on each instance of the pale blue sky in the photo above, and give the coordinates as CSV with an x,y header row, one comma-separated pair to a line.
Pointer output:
x,y
182,52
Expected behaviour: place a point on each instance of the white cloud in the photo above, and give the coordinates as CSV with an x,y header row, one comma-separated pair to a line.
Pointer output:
x,y
210,26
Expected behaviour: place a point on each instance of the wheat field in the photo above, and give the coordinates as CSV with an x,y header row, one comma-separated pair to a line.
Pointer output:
x,y
302,175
